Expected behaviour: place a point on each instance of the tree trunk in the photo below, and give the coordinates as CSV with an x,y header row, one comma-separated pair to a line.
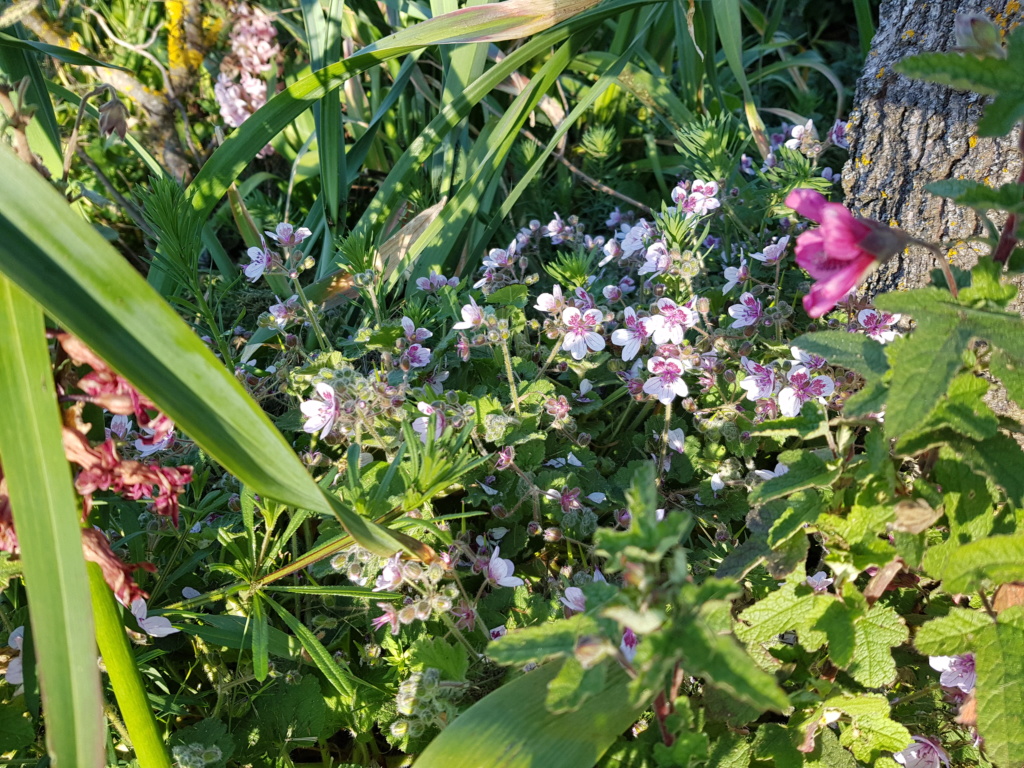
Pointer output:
x,y
906,133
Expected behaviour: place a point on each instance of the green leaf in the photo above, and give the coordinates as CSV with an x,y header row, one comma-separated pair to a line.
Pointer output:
x,y
998,458
292,712
999,658
953,634
64,264
966,73
451,660
541,642
981,197
210,735
16,728
235,632
510,728
802,507
260,640
998,559
872,731
573,685
46,518
806,470
792,607
1010,371
1002,114
853,351
61,54
874,635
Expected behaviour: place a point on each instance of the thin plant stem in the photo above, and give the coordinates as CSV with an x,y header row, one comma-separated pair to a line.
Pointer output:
x,y
511,377
551,357
664,440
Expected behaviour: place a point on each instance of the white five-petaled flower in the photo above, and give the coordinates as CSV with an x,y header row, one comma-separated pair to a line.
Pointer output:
x,y
957,671
734,275
657,259
15,674
553,303
747,312
800,133
667,382
422,424
154,626
418,356
923,753
472,316
320,414
581,336
812,362
499,570
284,312
391,576
772,252
878,325
632,335
771,474
120,426
819,582
669,326
287,235
760,381
574,600
261,258
700,200
803,387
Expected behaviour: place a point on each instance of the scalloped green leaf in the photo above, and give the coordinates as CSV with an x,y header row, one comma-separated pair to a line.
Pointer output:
x,y
953,634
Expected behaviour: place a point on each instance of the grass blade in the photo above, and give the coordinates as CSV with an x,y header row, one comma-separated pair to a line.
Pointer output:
x,y
46,518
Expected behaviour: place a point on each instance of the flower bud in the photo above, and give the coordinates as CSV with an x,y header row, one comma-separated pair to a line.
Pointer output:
x,y
702,305
552,534
114,118
729,375
977,35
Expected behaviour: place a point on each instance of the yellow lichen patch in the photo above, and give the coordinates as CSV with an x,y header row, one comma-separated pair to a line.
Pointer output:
x,y
881,71
972,142
909,34
179,55
893,223
885,195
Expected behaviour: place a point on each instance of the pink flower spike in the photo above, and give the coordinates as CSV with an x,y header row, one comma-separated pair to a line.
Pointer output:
x,y
923,753
841,252
499,571
320,414
581,335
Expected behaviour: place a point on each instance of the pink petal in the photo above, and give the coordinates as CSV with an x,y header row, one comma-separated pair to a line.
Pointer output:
x,y
807,203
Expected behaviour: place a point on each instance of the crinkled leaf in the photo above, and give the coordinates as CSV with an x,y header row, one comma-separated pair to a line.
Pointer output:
x,y
875,634
872,730
542,641
998,559
953,634
806,470
999,659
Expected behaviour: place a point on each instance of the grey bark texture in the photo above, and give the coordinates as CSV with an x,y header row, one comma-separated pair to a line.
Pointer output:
x,y
906,133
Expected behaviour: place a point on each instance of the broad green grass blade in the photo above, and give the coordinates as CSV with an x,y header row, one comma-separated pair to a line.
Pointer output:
x,y
46,518
125,677
730,31
61,54
260,640
511,728
66,266
43,134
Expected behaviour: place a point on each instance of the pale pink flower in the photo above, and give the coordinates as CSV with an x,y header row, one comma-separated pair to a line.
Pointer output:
x,y
15,674
677,440
747,312
581,335
760,381
800,134
700,200
632,335
421,425
284,312
499,571
261,258
286,235
389,618
391,576
878,325
417,355
734,275
812,362
772,252
151,442
803,387
923,753
657,259
957,671
472,316
667,382
435,282
553,303
837,135
154,626
412,333
669,326
120,425
771,474
320,414
497,632
819,582
574,600
558,231
841,252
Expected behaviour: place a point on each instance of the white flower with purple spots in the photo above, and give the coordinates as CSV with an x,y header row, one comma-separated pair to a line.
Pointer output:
x,y
923,753
417,355
412,333
819,582
422,425
575,601
472,316
957,671
499,571
553,303
803,387
581,336
734,275
286,235
632,335
261,258
760,381
811,362
667,382
669,326
773,252
657,259
747,312
878,325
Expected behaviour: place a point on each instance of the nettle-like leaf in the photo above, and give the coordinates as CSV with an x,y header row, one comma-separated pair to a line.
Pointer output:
x,y
953,634
806,470
981,197
998,559
855,352
875,634
794,606
999,658
989,76
871,731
